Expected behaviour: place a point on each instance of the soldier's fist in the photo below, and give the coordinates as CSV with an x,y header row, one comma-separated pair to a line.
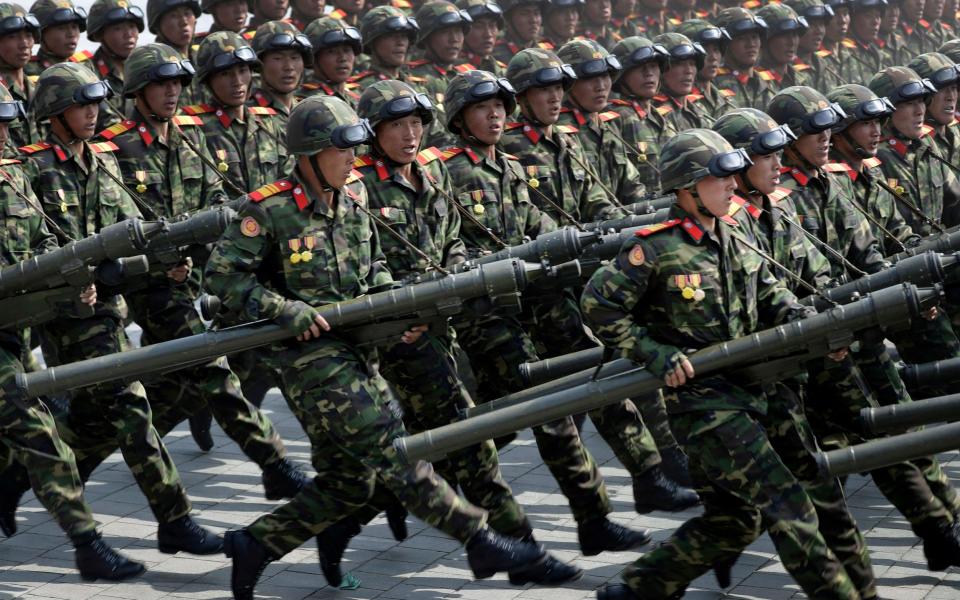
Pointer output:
x,y
302,319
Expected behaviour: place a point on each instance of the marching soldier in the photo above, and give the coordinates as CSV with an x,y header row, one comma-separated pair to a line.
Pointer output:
x,y
778,65
228,15
117,26
868,55
60,27
713,100
561,18
481,39
836,45
818,16
677,81
941,113
596,24
624,19
284,53
304,12
523,19
651,18
174,22
889,33
336,46
913,29
19,31
387,36
739,73
264,11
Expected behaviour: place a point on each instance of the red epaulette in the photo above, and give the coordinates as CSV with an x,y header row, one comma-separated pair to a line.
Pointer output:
x,y
186,120
723,71
778,194
338,14
848,43
926,130
797,175
417,63
727,92
359,76
652,229
801,66
898,146
450,153
363,161
833,167
512,126
609,116
249,35
765,74
872,163
428,155
464,68
261,110
198,109
271,189
368,160
30,149
823,53
663,110
114,130
355,175
80,56
566,128
101,147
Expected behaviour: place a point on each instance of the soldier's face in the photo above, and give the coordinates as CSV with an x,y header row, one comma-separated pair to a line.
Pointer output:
x,y
932,9
335,165
743,50
592,95
891,18
484,120
943,106
446,44
482,36
908,118
545,103
838,25
400,138
391,49
563,22
230,15
311,9
764,175
334,64
866,135
678,80
598,11
643,81
16,48
283,70
349,6
814,147
82,120
61,40
865,24
525,21
232,86
911,11
782,49
711,62
624,8
161,98
177,26
121,38
949,12
716,193
810,41
271,10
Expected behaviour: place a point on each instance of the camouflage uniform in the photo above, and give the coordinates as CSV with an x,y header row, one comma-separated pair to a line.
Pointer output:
x,y
942,72
782,20
684,112
508,46
328,33
483,9
22,131
866,56
378,22
823,75
103,14
743,481
47,13
751,88
712,100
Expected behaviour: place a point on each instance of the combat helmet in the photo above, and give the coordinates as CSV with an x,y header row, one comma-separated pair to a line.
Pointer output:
x,y
10,109
536,67
157,8
634,51
704,32
900,84
382,20
858,5
740,21
328,32
589,59
753,130
473,87
58,12
951,49
482,9
680,47
104,13
939,68
804,110
63,85
859,103
694,154
14,17
280,35
549,6
440,14
811,10
509,5
320,122
207,5
222,50
391,99
781,19
154,63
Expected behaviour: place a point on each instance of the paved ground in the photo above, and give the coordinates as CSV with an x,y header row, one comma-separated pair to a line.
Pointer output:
x,y
225,488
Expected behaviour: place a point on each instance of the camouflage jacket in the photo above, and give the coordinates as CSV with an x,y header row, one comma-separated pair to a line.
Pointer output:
x,y
489,63
712,100
286,244
823,207
110,71
505,48
642,128
683,114
425,218
495,192
24,131
795,74
863,61
264,99
606,155
880,205
924,181
824,72
674,288
917,39
250,153
43,59
372,74
947,141
554,175
650,26
625,26
750,90
167,173
313,88
605,35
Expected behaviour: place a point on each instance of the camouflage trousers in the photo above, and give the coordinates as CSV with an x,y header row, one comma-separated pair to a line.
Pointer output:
x,y
115,413
29,437
351,419
496,347
745,487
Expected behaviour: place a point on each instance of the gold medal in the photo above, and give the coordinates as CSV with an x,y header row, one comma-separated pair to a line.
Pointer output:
x,y
479,209
699,295
141,188
63,207
222,167
688,293
295,254
900,189
306,256
642,157
294,258
534,182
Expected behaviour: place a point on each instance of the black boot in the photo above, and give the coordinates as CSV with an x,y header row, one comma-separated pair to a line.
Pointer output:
x,y
722,569
10,494
200,429
652,490
397,520
282,479
941,544
332,543
95,560
549,572
489,553
185,535
620,591
249,558
676,466
603,535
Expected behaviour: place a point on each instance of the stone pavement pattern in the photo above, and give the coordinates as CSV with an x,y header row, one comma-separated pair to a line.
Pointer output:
x,y
37,563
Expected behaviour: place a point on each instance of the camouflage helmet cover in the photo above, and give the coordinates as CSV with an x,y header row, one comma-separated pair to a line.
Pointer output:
x,y
804,110
382,20
153,63
509,5
811,9
859,103
58,12
104,13
753,130
328,32
549,6
64,85
952,49
20,20
589,59
320,122
222,50
634,51
483,9
703,32
940,69
473,87
739,21
680,47
536,67
391,99
281,35
861,5
900,84
157,8
207,5
686,158
781,19
440,14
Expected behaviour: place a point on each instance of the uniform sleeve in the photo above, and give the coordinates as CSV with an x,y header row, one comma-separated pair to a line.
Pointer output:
x,y
41,238
454,250
897,225
630,187
864,251
776,304
379,275
816,267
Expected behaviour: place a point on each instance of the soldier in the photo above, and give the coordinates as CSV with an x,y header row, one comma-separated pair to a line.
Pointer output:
x,y
387,36
778,56
523,19
348,11
670,274
740,59
713,100
818,16
651,18
836,45
228,15
676,83
19,30
345,406
481,39
60,27
624,20
641,125
284,53
889,33
941,115
336,46
932,24
868,55
912,31
174,22
78,185
264,11
116,25
596,24
304,12
561,18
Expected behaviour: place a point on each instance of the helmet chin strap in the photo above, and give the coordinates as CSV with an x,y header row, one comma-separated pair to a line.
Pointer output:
x,y
318,172
795,156
63,123
466,134
699,201
528,112
153,114
743,182
857,148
